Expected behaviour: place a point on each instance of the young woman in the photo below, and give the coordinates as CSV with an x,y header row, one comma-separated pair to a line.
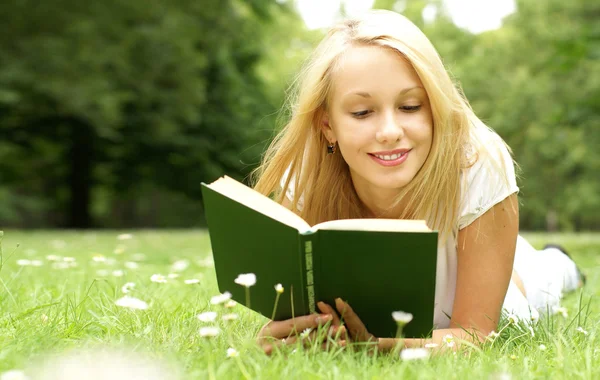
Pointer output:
x,y
379,130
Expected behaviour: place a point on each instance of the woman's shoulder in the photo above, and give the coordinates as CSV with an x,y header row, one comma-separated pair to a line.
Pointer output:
x,y
488,176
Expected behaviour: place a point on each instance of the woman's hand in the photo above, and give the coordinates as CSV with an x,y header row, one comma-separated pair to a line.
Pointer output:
x,y
356,329
278,333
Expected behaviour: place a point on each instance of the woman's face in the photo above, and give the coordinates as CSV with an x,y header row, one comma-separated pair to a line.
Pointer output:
x,y
379,113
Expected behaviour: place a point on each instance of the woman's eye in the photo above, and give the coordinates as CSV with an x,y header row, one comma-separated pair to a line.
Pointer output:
x,y
360,113
410,108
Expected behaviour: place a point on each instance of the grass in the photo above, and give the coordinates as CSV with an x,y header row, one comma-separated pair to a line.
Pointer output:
x,y
68,308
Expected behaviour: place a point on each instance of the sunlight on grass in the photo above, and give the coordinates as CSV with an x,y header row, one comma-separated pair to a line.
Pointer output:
x,y
134,301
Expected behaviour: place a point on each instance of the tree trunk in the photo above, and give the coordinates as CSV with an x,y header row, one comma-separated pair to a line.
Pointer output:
x,y
81,160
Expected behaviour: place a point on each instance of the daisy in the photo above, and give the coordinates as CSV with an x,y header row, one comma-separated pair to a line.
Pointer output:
x,y
159,278
36,263
131,265
98,258
132,303
180,265
581,330
221,298
449,340
208,316
432,345
562,311
124,237
14,374
246,279
191,281
542,347
229,304
304,334
208,332
232,352
118,273
512,318
230,317
279,288
23,262
414,354
127,287
401,317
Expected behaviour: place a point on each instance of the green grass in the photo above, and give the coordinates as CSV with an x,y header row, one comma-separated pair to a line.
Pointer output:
x,y
47,310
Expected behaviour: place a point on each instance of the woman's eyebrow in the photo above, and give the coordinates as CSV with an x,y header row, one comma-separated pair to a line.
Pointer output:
x,y
367,95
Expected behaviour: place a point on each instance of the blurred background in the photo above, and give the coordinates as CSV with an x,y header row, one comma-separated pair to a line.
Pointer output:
x,y
113,112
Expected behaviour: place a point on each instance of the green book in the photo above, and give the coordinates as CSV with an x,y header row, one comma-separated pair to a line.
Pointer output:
x,y
378,266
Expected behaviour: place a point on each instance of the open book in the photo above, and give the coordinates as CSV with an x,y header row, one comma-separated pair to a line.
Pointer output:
x,y
377,265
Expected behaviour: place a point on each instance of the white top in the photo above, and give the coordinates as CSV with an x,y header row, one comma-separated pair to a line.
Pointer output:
x,y
485,185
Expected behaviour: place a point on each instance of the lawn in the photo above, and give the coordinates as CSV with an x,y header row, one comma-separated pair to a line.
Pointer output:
x,y
58,293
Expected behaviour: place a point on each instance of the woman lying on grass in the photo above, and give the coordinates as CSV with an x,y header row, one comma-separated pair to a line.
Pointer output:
x,y
379,130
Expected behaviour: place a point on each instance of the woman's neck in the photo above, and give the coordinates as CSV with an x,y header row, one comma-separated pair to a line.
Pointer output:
x,y
379,203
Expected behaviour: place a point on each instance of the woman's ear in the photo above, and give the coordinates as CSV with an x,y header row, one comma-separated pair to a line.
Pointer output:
x,y
327,128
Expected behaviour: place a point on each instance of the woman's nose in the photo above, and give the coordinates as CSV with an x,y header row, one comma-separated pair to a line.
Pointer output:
x,y
391,130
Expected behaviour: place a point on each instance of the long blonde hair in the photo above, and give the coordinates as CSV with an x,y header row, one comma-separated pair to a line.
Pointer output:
x,y
298,151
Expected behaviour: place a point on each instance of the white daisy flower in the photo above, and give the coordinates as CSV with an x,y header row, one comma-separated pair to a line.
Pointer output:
x,y
131,265
221,298
304,334
414,354
432,345
401,317
542,347
191,281
122,237
98,258
68,259
449,340
127,287
158,278
246,279
581,330
229,304
24,262
561,310
180,265
230,317
209,331
119,249
279,288
118,273
207,262
138,257
14,374
173,275
232,352
208,316
53,258
131,303
512,319
36,263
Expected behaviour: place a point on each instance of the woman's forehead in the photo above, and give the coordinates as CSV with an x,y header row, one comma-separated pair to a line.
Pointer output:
x,y
363,70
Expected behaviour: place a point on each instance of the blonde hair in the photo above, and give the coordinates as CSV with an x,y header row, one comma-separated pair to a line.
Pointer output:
x,y
298,150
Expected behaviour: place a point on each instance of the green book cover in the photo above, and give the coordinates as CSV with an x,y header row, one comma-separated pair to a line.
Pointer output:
x,y
377,265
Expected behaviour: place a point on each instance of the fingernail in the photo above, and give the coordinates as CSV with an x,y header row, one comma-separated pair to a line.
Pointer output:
x,y
323,318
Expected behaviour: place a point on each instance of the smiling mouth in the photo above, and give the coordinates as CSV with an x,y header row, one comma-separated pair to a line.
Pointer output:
x,y
389,157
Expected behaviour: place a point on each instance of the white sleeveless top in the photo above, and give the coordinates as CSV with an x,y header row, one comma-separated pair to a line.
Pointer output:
x,y
485,186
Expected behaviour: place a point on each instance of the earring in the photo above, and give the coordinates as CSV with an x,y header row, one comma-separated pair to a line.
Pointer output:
x,y
331,148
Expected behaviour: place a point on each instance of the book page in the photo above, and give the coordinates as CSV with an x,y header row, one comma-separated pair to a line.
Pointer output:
x,y
243,194
386,225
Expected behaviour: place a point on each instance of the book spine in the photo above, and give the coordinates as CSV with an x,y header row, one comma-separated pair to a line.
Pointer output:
x,y
307,244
